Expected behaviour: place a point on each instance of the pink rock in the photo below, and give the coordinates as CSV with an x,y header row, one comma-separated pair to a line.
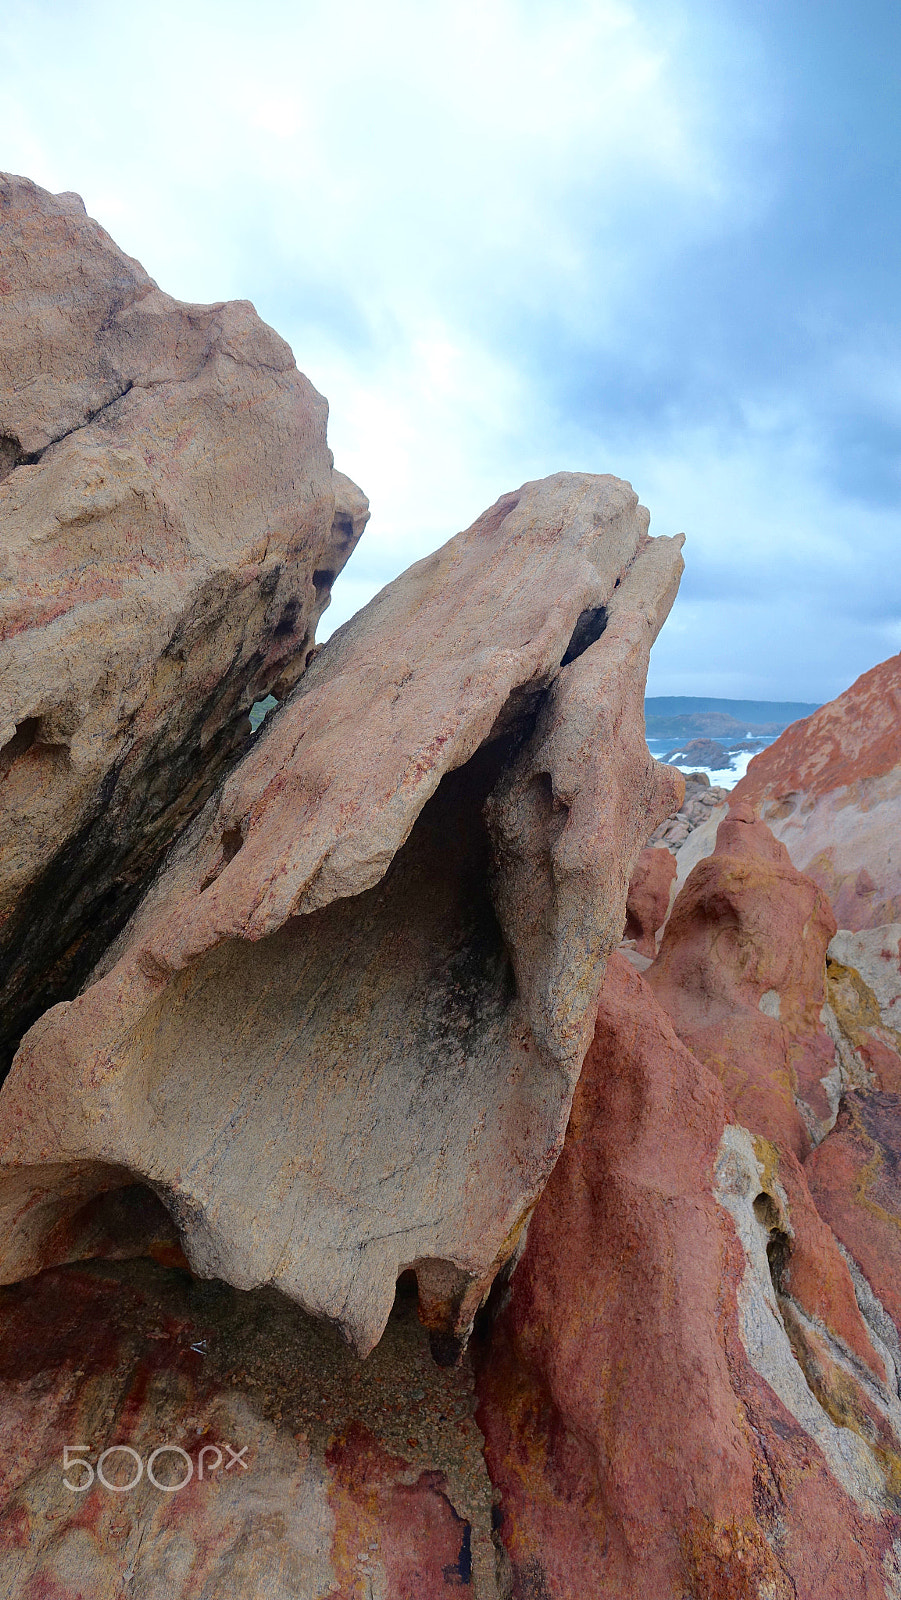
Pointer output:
x,y
741,971
830,789
170,526
340,1036
648,1428
648,901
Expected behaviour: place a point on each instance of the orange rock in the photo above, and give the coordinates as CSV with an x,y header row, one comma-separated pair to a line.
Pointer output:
x,y
741,971
830,789
648,1428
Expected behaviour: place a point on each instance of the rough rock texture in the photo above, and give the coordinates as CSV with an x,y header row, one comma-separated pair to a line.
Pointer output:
x,y
648,900
649,1430
741,971
704,803
855,1180
863,983
705,752
170,526
830,789
358,1481
327,1047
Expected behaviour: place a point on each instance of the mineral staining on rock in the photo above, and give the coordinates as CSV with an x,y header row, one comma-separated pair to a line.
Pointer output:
x,y
170,526
340,1036
649,1426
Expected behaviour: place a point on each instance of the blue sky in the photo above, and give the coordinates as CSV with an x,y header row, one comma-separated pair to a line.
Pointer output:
x,y
509,237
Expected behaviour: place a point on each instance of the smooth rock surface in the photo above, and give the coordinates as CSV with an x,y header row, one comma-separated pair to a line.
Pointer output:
x,y
648,1429
648,900
830,789
341,1034
741,971
170,526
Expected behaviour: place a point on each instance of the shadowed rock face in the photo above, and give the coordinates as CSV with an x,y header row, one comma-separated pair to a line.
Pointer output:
x,y
340,1036
830,789
675,1400
170,526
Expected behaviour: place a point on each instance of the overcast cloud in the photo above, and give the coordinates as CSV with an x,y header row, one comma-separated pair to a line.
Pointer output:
x,y
509,237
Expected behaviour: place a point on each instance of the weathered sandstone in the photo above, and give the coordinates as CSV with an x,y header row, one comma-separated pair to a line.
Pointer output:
x,y
855,1180
830,789
741,971
649,1427
170,526
354,1481
340,1036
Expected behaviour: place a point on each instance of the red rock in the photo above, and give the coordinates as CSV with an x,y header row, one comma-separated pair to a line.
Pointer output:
x,y
648,901
855,1180
648,1429
331,1499
741,971
830,789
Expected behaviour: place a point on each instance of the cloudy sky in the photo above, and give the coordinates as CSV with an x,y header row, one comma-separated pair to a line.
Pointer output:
x,y
506,237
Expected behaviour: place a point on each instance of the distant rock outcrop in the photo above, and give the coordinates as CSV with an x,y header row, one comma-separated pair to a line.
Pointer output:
x,y
340,1036
830,789
170,526
700,753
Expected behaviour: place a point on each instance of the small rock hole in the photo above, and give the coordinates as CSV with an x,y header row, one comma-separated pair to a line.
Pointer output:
x,y
10,454
232,840
587,631
260,710
25,736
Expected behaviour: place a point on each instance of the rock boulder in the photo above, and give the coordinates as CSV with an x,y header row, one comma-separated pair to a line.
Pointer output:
x,y
170,526
340,1036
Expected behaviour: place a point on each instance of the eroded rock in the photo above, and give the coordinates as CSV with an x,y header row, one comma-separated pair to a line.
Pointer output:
x,y
741,971
649,1429
340,1036
170,526
305,1474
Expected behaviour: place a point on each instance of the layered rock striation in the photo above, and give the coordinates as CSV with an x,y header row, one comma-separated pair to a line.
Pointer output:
x,y
170,527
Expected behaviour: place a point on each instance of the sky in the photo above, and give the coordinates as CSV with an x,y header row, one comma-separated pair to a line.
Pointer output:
x,y
508,237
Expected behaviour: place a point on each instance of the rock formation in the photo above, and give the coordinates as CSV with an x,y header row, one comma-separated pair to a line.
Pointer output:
x,y
170,526
340,1036
741,971
648,900
312,1010
667,1410
830,789
354,1481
